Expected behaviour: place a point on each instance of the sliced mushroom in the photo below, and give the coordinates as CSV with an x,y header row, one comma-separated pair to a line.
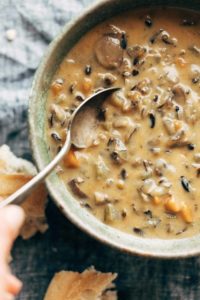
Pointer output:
x,y
196,166
194,73
128,124
181,135
143,86
194,49
110,213
167,39
151,189
115,144
58,113
180,92
161,165
169,125
195,70
126,67
145,197
100,198
122,122
56,137
114,31
178,130
107,79
119,100
197,157
136,51
117,149
149,185
181,138
74,185
160,191
164,36
164,181
155,150
108,52
79,96
101,168
171,74
177,143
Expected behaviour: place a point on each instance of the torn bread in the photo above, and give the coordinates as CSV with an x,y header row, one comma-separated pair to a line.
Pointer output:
x,y
89,285
14,173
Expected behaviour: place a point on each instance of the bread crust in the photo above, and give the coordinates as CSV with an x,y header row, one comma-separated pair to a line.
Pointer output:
x,y
14,173
89,285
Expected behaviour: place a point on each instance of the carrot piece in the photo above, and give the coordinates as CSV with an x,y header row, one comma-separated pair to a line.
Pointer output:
x,y
172,205
70,160
87,85
156,200
56,87
134,96
186,213
178,124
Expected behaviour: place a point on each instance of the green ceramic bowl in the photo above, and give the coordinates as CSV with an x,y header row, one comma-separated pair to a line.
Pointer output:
x,y
57,50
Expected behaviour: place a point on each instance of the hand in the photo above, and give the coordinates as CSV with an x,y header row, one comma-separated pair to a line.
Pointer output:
x,y
11,220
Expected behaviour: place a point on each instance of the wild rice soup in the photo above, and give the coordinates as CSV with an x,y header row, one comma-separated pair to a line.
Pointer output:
x,y
142,173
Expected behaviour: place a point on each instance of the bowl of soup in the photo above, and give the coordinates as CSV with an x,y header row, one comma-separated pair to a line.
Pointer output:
x,y
136,188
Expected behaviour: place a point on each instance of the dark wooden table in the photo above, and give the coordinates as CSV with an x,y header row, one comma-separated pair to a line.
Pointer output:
x,y
64,246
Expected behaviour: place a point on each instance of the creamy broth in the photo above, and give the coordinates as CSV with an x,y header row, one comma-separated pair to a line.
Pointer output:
x,y
142,173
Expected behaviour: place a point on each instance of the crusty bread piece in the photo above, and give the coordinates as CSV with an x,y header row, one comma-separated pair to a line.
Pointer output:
x,y
13,164
89,285
14,173
11,182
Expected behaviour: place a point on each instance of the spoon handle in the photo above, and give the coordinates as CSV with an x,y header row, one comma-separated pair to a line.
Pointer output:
x,y
20,195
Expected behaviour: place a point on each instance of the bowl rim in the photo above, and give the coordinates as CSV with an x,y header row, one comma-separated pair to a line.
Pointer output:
x,y
181,244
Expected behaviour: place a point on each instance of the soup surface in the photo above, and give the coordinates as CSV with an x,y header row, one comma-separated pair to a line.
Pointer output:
x,y
142,172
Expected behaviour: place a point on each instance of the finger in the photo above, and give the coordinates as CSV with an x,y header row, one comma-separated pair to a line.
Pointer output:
x,y
8,282
6,296
13,285
12,218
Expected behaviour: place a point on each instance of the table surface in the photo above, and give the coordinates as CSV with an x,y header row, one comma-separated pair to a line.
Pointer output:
x,y
64,246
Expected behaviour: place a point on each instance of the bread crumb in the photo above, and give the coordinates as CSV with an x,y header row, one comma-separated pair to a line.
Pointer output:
x,y
14,173
11,34
89,285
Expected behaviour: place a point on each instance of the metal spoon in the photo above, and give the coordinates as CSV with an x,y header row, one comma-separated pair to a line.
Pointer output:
x,y
81,132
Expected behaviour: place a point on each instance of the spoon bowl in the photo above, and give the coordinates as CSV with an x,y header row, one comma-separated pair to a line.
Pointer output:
x,y
84,119
81,132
